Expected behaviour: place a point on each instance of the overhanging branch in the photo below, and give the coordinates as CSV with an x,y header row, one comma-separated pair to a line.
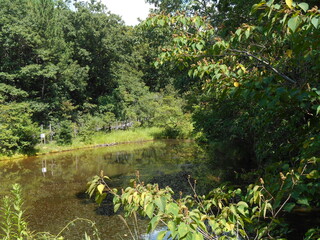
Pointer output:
x,y
248,54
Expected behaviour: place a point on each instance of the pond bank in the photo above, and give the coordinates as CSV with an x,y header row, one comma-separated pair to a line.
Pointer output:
x,y
98,140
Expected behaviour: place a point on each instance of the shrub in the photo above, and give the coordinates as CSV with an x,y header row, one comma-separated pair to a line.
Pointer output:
x,y
171,117
64,136
18,134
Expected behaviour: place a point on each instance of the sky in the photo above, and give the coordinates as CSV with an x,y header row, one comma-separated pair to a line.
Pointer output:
x,y
129,10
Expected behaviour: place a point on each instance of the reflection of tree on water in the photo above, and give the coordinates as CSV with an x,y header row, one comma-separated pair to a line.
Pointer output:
x,y
146,155
77,162
59,191
150,153
123,157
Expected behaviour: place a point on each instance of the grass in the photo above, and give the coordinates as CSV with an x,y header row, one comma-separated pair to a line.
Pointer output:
x,y
100,138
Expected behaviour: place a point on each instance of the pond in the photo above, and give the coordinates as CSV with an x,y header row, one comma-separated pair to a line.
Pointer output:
x,y
54,185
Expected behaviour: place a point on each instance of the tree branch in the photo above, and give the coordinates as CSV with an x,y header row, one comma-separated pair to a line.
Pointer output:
x,y
248,54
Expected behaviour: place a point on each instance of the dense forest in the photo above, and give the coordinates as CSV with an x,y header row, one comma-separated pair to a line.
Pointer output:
x,y
241,76
76,68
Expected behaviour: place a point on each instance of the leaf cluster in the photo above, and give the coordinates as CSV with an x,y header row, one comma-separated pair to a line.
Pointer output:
x,y
224,212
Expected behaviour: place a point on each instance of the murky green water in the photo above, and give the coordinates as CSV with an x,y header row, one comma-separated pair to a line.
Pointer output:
x,y
54,185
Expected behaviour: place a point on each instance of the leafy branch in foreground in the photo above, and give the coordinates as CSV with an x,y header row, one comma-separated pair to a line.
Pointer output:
x,y
13,224
224,213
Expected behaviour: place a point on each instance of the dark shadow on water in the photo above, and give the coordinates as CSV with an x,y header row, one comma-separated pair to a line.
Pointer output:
x,y
84,198
301,222
106,207
177,181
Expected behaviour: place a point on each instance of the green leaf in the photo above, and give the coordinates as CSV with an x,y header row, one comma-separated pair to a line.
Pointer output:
x,y
91,189
161,22
242,203
161,203
172,227
293,23
241,210
198,22
172,208
116,207
270,2
182,230
229,226
184,21
233,210
149,210
100,198
161,235
303,201
304,6
315,21
153,223
288,207
100,188
261,232
242,207
247,33
199,46
314,174
277,6
197,236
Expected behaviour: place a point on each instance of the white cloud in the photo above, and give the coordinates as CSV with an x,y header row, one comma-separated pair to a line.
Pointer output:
x,y
129,10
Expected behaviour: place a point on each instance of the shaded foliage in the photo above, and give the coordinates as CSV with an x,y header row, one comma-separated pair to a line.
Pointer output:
x,y
76,62
255,97
18,134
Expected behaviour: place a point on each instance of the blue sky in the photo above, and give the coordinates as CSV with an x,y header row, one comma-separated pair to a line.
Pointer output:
x,y
129,10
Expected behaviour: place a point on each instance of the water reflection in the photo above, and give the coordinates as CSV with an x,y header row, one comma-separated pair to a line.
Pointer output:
x,y
54,185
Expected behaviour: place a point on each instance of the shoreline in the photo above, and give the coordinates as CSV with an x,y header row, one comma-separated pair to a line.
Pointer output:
x,y
91,147
145,135
3,159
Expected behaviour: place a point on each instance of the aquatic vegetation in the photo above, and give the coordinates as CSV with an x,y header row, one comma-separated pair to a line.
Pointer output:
x,y
14,224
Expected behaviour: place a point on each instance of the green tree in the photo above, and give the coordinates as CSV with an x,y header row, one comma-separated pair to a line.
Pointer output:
x,y
18,134
224,15
170,116
256,96
97,41
36,56
64,133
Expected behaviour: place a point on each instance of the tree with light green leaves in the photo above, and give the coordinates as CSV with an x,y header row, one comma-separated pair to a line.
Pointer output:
x,y
257,95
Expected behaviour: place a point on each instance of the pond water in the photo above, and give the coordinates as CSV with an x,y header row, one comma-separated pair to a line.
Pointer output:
x,y
54,185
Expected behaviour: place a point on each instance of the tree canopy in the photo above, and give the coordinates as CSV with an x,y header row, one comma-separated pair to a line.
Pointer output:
x,y
242,75
253,90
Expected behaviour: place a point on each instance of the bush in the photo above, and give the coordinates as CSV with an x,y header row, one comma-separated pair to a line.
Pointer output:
x,y
18,134
88,125
171,117
64,136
